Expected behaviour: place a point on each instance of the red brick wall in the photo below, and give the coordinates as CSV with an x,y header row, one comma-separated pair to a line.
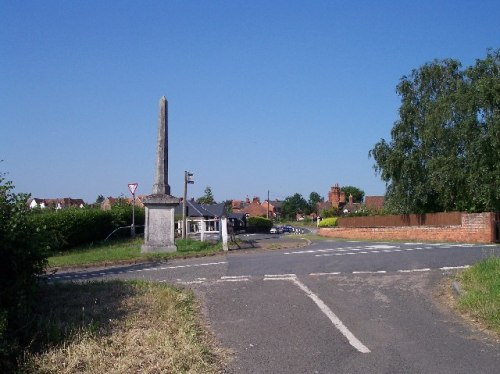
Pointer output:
x,y
475,228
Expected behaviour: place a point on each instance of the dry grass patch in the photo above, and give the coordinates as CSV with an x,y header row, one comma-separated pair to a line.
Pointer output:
x,y
120,327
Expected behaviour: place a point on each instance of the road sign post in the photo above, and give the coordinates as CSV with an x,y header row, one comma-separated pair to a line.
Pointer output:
x,y
132,187
188,179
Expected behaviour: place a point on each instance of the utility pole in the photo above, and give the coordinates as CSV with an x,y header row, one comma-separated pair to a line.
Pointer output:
x,y
267,204
188,179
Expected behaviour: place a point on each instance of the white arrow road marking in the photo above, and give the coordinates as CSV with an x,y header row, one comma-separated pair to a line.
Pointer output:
x,y
325,309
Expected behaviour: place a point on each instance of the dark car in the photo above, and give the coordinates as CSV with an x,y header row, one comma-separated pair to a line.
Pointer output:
x,y
287,228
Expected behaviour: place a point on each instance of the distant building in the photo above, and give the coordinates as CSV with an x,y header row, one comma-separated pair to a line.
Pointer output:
x,y
374,202
111,201
255,209
59,203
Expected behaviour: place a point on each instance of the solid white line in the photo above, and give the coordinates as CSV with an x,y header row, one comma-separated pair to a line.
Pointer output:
x,y
332,317
455,267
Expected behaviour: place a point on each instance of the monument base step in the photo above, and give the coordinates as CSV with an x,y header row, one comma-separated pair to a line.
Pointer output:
x,y
147,248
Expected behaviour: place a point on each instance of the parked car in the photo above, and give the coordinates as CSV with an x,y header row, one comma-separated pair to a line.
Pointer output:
x,y
287,228
274,230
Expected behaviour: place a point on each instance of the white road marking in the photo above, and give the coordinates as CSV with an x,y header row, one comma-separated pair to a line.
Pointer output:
x,y
234,276
455,267
187,266
279,276
379,246
328,312
414,270
333,273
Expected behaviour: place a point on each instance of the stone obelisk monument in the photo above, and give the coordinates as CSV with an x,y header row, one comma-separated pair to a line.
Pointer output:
x,y
159,222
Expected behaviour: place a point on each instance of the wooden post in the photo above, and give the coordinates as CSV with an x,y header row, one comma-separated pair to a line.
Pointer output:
x,y
223,230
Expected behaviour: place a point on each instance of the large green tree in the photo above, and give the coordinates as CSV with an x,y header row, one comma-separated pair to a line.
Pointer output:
x,y
207,198
444,150
314,199
357,193
293,205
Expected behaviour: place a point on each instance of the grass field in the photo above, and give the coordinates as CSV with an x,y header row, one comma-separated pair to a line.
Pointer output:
x,y
481,296
127,250
119,327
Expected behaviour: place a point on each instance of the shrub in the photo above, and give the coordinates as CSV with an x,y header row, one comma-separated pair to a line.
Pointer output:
x,y
23,257
326,213
328,222
259,224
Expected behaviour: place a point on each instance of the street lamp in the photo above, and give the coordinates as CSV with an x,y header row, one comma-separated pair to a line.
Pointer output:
x,y
188,179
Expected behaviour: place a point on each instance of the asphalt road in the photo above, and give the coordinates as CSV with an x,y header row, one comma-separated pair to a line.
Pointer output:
x,y
331,307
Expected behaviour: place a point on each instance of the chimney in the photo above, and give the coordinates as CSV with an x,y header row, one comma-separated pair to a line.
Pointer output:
x,y
350,199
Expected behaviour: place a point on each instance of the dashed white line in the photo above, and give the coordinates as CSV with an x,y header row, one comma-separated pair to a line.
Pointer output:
x,y
234,276
414,270
279,276
455,267
332,273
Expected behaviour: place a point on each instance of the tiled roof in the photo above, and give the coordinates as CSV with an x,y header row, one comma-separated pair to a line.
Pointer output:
x,y
374,202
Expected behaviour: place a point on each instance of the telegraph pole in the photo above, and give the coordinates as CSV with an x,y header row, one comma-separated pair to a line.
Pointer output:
x,y
267,204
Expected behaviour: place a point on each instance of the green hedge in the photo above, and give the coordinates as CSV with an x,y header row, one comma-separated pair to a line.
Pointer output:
x,y
22,259
259,224
328,222
68,228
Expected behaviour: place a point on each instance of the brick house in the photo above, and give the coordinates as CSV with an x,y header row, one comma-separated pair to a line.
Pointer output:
x,y
255,209
274,208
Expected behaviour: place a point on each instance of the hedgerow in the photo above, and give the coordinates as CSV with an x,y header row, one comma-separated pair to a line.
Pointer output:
x,y
23,258
259,224
68,228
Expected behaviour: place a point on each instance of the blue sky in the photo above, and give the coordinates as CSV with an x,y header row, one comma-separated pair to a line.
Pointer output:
x,y
285,96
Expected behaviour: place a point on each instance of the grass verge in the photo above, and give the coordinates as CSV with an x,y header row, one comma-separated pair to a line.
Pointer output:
x,y
481,292
119,327
127,250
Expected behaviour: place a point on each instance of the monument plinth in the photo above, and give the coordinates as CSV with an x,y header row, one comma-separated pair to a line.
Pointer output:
x,y
159,221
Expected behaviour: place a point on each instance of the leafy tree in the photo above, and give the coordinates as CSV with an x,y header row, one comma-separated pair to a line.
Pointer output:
x,y
314,198
23,258
99,199
293,205
444,148
357,194
207,198
228,206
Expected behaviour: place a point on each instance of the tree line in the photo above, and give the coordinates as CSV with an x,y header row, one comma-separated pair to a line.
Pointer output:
x,y
444,151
